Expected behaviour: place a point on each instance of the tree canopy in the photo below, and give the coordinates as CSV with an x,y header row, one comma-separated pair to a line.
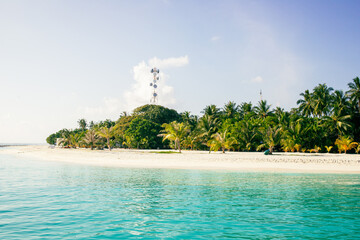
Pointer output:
x,y
325,120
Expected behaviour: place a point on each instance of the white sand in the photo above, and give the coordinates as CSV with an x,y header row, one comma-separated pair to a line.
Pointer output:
x,y
235,161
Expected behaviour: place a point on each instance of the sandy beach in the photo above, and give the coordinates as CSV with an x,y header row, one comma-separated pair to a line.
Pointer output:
x,y
233,161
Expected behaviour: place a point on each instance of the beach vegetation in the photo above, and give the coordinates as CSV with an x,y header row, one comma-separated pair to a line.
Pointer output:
x,y
316,149
328,148
357,149
271,137
324,117
221,140
354,92
345,143
90,139
82,124
106,133
175,132
164,152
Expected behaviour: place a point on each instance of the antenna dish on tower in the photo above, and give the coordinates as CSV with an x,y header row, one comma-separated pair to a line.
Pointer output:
x,y
155,73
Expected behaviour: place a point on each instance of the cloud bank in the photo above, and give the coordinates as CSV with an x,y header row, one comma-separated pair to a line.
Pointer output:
x,y
140,92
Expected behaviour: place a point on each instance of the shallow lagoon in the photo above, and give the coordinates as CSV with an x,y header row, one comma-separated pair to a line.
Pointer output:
x,y
49,200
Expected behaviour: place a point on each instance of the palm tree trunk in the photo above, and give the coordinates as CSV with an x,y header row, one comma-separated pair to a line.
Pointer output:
x,y
177,142
108,144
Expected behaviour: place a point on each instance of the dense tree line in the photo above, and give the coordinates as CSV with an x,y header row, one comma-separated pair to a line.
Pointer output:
x,y
325,120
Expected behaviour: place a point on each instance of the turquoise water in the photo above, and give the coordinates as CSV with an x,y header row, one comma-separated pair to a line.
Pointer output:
x,y
45,200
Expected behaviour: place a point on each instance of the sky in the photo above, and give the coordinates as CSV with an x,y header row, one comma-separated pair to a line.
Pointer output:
x,y
65,60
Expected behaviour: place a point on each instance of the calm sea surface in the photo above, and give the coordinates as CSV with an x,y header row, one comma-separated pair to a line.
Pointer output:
x,y
46,200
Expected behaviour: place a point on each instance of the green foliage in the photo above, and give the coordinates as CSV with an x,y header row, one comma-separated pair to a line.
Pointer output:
x,y
263,109
82,124
157,114
164,152
271,137
90,139
354,92
175,132
345,143
106,133
142,133
328,148
324,116
221,140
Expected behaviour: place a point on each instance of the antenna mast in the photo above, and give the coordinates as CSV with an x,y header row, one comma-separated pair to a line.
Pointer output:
x,y
260,95
155,73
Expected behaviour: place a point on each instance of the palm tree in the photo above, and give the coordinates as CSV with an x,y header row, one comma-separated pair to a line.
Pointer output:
x,y
208,126
212,111
354,91
245,108
221,140
357,150
288,144
65,140
130,142
294,132
91,124
316,149
189,119
82,124
338,123
345,144
271,137
174,132
75,139
230,110
192,139
328,148
106,133
281,117
340,103
322,99
246,133
123,114
306,107
263,109
90,138
278,111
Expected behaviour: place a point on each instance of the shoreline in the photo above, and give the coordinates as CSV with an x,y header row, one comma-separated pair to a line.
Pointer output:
x,y
200,160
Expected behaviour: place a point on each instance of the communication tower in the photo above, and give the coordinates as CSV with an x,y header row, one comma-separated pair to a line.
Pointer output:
x,y
155,73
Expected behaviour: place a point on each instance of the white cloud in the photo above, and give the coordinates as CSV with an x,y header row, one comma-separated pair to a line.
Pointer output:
x,y
140,91
258,79
215,38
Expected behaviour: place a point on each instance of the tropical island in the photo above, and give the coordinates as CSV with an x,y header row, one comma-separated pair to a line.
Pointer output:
x,y
326,120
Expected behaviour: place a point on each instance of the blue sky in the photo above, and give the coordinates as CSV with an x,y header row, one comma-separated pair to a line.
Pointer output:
x,y
64,60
